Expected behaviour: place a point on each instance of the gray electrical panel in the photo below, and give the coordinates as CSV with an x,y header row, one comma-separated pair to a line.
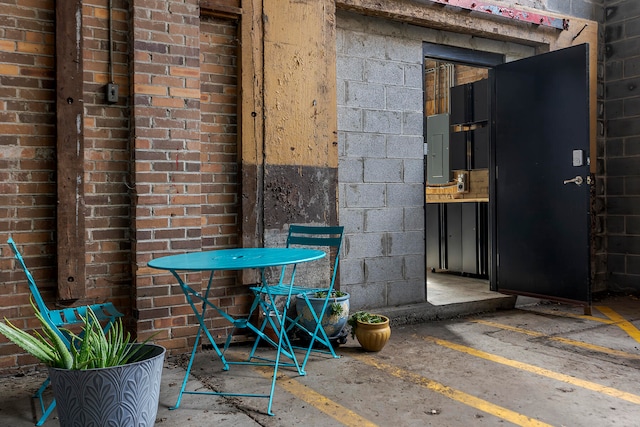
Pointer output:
x,y
438,149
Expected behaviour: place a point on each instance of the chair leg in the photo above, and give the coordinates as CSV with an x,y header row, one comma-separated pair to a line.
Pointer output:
x,y
45,410
317,335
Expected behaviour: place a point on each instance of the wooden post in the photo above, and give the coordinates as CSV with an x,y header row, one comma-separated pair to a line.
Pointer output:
x,y
70,150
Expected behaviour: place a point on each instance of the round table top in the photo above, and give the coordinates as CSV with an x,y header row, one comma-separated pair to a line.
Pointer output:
x,y
236,259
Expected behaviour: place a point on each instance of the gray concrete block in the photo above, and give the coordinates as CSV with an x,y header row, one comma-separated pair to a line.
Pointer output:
x,y
350,68
379,121
632,187
405,146
623,166
615,224
384,72
631,68
624,245
632,146
414,267
406,292
350,170
364,95
560,6
632,27
405,194
388,219
412,123
404,50
342,138
349,119
413,75
366,145
363,45
626,48
341,92
414,218
366,295
342,199
383,269
632,224
365,195
405,99
621,11
413,171
625,205
383,170
365,245
407,243
352,220
632,107
351,272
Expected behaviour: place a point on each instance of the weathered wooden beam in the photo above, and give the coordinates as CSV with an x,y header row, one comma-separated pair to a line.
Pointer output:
x,y
507,12
70,150
251,126
229,9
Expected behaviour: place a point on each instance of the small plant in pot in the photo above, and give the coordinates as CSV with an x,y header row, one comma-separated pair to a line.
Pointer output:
x,y
371,330
335,316
97,378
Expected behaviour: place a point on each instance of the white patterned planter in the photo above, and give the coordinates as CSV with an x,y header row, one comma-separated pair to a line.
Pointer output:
x,y
331,323
124,395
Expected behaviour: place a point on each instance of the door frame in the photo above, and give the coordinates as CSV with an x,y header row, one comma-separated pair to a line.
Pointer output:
x,y
481,59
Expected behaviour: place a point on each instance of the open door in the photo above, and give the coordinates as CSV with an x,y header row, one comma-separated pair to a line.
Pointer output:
x,y
541,177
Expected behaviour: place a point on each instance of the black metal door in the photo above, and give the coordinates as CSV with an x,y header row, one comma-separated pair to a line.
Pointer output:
x,y
541,175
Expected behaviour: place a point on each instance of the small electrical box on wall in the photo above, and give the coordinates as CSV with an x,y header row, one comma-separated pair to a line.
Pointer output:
x,y
112,93
438,168
462,182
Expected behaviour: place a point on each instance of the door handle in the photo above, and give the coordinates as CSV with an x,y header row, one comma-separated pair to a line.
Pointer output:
x,y
577,180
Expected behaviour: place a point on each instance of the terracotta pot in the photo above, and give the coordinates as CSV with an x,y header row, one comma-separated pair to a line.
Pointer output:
x,y
373,336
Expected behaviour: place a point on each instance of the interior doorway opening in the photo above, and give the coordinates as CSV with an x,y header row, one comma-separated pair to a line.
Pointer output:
x,y
457,131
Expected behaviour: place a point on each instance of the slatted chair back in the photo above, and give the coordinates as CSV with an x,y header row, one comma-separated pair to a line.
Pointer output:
x,y
322,236
35,293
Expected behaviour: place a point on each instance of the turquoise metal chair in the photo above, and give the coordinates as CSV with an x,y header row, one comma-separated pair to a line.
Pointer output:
x,y
317,237
62,318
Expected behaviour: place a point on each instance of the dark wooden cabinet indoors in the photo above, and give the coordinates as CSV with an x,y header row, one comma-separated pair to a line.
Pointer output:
x,y
457,236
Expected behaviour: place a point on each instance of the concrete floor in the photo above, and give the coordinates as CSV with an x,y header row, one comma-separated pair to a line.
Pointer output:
x,y
538,364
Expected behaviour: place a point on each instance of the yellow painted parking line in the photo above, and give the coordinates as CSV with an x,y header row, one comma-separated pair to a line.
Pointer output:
x,y
610,391
567,341
620,322
336,411
459,396
557,313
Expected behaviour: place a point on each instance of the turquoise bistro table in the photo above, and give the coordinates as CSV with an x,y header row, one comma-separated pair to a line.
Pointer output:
x,y
236,259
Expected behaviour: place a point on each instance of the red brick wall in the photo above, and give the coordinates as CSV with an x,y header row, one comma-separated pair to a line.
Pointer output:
x,y
185,150
161,165
107,154
28,160
219,151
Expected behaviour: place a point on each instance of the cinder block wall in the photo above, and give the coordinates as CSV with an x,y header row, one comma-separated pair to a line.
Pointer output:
x,y
380,169
622,149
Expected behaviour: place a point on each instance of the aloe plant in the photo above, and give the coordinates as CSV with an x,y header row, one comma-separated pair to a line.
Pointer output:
x,y
92,348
